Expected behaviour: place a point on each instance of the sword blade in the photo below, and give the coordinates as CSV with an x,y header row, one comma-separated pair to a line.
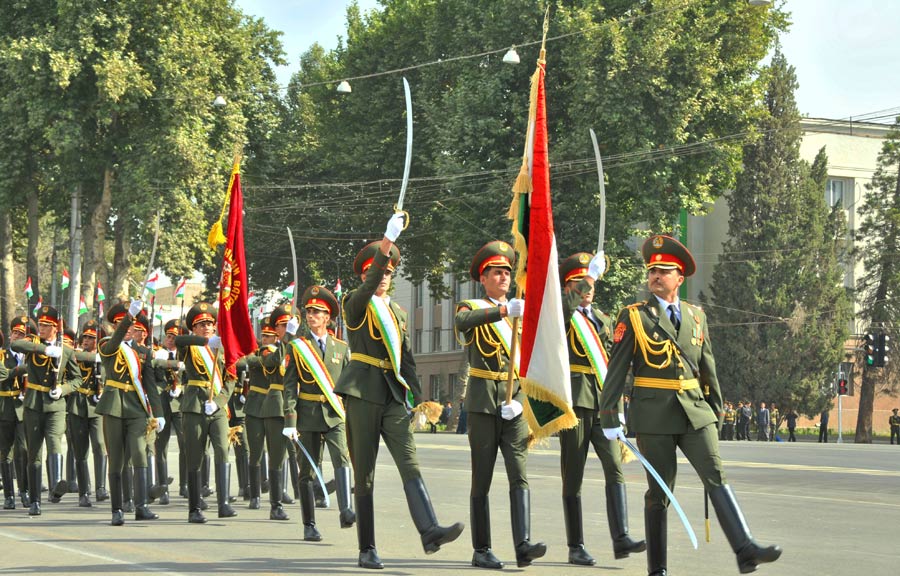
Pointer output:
x,y
664,486
318,472
296,280
409,142
602,191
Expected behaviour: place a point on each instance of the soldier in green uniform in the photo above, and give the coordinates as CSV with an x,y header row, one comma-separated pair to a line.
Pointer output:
x,y
12,413
238,426
170,395
269,409
728,422
589,339
374,387
314,365
12,426
130,407
52,373
82,422
676,401
91,334
290,469
894,422
204,406
483,327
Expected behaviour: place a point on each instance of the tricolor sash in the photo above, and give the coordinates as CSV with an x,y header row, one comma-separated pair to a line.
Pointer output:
x,y
212,367
593,347
502,328
133,362
390,333
313,363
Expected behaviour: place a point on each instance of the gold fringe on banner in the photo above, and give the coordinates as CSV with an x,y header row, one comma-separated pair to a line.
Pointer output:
x,y
234,435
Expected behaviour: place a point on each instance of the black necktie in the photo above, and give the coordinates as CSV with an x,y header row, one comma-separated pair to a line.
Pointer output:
x,y
587,314
322,346
674,318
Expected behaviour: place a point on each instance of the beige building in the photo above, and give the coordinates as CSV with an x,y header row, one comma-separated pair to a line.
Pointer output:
x,y
852,149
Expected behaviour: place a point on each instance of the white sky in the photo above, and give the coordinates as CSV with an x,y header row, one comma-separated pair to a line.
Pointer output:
x,y
845,51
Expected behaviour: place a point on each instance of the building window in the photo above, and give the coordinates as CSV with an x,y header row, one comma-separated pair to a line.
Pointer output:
x,y
436,340
452,379
834,192
419,290
434,385
417,342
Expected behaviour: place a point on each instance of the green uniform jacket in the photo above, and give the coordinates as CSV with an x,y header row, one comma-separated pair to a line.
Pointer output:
x,y
119,403
653,410
267,368
193,397
11,385
79,404
315,416
473,330
585,389
42,370
167,377
364,381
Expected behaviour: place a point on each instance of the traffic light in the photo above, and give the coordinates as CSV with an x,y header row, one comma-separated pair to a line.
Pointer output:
x,y
842,386
881,350
870,349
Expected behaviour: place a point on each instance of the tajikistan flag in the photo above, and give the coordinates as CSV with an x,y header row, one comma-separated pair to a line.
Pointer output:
x,y
179,290
28,291
38,306
64,283
151,283
82,306
289,291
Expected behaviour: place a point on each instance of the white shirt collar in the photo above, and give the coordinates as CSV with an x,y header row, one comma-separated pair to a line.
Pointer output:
x,y
665,304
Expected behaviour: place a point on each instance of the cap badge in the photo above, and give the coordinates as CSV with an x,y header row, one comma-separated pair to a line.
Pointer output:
x,y
658,242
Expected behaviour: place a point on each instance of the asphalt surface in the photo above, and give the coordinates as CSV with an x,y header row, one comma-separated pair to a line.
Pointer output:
x,y
835,509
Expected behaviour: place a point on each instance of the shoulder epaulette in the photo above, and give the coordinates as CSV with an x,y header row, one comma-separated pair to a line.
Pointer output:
x,y
336,339
635,305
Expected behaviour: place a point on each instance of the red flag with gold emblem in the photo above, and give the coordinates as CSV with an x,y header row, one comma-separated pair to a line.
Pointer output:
x,y
235,327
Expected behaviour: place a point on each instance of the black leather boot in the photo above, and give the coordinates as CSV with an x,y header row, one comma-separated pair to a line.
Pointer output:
x,y
749,553
71,475
342,485
182,475
520,509
294,472
9,496
575,532
422,511
155,486
141,488
655,526
223,487
162,479
365,533
617,515
253,472
264,472
21,465
195,515
205,490
127,489
115,498
58,486
83,474
35,471
308,512
101,464
480,516
275,492
241,461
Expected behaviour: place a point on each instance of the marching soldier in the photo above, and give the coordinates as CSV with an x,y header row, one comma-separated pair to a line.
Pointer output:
x,y
238,425
677,401
52,373
170,396
268,411
204,407
141,335
374,387
83,422
314,365
130,407
589,339
90,337
482,326
894,421
12,413
290,469
728,422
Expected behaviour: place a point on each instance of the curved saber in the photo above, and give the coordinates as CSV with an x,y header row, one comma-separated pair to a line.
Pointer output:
x,y
318,472
409,141
665,488
152,257
602,191
294,261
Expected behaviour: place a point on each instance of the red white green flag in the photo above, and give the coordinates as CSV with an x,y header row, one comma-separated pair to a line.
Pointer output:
x,y
28,291
179,290
289,291
82,306
64,283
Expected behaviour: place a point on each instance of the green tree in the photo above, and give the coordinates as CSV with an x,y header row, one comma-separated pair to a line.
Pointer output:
x,y
878,247
779,311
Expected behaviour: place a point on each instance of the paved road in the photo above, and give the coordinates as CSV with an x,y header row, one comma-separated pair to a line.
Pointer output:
x,y
834,508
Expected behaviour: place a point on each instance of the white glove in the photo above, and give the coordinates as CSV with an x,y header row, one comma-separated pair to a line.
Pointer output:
x,y
214,341
95,398
511,410
289,433
175,392
55,393
292,325
597,266
53,351
98,358
622,418
180,366
515,308
242,399
135,308
612,433
161,354
395,226
210,407
160,423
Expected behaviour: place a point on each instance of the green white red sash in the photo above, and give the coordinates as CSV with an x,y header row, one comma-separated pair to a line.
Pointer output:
x,y
502,328
313,363
390,333
593,347
133,362
212,367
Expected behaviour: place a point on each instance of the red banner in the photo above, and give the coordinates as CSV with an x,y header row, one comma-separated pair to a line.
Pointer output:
x,y
235,328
